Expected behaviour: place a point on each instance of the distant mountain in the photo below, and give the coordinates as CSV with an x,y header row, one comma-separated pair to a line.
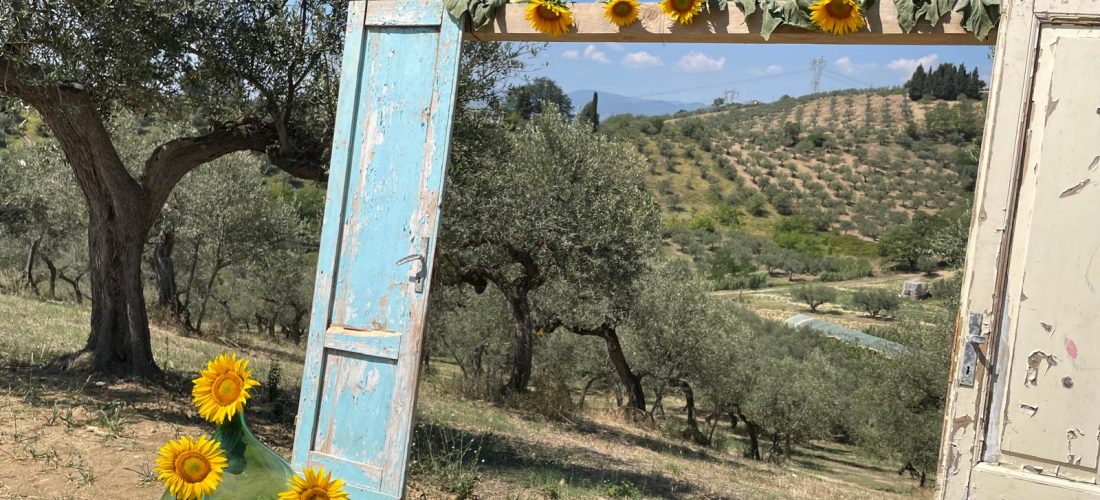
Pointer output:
x,y
614,104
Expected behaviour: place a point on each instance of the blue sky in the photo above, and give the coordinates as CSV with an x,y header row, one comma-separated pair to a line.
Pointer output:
x,y
701,72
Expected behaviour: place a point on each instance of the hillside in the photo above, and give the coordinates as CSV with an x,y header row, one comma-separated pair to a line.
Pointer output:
x,y
852,164
615,104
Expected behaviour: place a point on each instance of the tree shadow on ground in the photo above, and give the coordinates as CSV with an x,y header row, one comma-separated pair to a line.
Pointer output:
x,y
581,467
585,426
166,398
804,455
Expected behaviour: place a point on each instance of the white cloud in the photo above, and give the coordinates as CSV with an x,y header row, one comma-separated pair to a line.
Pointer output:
x,y
697,62
642,59
906,66
593,54
590,53
774,69
616,46
847,66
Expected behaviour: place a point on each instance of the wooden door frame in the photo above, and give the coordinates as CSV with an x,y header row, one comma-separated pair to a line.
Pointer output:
x,y
729,26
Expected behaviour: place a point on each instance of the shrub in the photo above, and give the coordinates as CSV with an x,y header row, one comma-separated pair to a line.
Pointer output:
x,y
701,221
750,281
876,301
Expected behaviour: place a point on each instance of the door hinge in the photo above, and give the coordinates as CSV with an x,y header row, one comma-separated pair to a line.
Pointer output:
x,y
971,350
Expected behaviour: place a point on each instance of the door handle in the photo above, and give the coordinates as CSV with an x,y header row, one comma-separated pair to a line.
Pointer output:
x,y
420,275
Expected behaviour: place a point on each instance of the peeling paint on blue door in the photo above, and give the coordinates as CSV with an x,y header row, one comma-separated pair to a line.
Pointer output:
x,y
392,136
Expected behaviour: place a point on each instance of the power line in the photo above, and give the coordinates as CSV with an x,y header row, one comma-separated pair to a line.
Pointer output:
x,y
723,84
847,79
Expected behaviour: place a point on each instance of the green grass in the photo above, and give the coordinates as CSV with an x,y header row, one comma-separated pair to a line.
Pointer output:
x,y
57,328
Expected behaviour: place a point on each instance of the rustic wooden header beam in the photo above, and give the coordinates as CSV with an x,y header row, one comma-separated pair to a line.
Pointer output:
x,y
722,27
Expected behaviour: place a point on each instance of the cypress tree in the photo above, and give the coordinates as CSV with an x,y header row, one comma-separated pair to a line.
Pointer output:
x,y
917,84
974,85
590,114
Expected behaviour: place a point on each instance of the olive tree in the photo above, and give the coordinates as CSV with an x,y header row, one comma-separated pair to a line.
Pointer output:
x,y
876,301
814,296
669,331
226,217
258,74
550,201
41,213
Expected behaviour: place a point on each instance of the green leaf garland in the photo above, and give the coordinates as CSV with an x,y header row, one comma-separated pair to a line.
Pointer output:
x,y
979,16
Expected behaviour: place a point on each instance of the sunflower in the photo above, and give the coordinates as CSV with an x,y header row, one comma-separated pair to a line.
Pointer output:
x,y
838,17
549,16
222,388
314,484
682,11
621,12
191,468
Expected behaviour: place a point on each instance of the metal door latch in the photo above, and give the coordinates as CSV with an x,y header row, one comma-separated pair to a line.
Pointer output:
x,y
971,350
421,274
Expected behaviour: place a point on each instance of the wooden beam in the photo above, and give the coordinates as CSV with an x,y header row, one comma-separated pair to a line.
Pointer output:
x,y
722,27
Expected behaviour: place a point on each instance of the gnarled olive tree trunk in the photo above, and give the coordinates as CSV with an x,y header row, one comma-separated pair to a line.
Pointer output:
x,y
121,212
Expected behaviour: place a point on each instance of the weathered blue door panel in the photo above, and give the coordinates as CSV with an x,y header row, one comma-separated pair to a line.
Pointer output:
x,y
385,186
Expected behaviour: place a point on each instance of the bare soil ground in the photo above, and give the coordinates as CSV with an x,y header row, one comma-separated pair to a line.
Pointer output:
x,y
82,438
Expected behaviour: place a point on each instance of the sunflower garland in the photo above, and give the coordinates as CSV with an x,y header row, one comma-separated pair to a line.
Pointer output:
x,y
551,17
191,468
839,17
314,484
682,11
622,12
222,388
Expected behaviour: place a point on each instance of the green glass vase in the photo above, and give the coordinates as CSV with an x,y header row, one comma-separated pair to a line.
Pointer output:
x,y
254,472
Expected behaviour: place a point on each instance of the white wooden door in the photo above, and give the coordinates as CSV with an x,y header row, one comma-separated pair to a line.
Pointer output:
x,y
1023,416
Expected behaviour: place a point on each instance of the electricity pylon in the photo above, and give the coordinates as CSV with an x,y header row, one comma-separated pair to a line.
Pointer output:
x,y
816,67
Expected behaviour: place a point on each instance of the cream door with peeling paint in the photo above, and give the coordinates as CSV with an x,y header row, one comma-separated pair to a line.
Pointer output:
x,y
1024,410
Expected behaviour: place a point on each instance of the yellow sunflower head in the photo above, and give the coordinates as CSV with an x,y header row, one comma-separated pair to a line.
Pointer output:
x,y
222,388
191,468
682,11
622,12
314,484
549,16
838,17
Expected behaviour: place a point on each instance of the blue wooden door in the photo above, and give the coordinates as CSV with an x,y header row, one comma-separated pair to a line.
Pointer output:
x,y
397,93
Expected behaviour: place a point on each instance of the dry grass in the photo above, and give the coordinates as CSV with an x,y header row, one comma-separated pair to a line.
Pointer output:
x,y
74,437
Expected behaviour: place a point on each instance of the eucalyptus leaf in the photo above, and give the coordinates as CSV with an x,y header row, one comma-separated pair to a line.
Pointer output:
x,y
482,12
769,21
748,7
934,10
793,13
779,12
907,18
979,17
457,7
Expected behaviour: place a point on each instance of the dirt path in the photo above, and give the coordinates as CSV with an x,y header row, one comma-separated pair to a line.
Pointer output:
x,y
875,280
